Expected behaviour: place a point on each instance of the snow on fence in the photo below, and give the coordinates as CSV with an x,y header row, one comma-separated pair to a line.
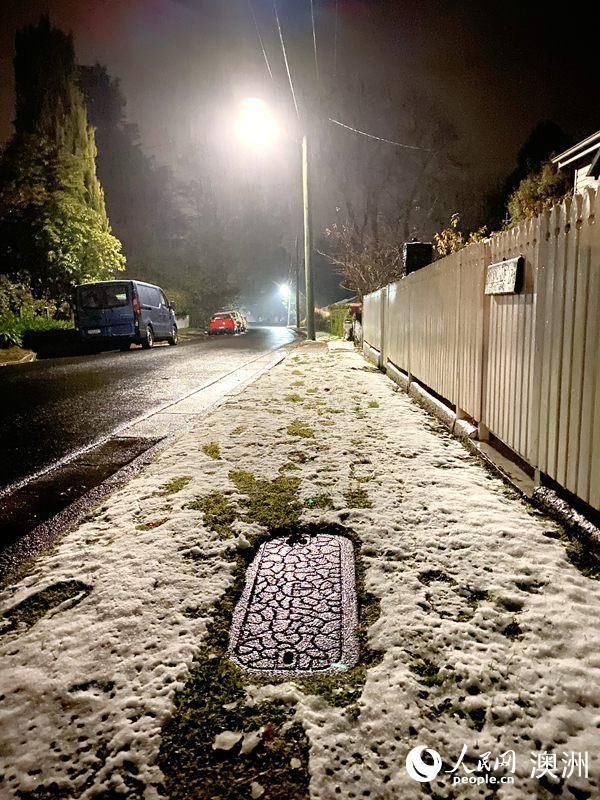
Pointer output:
x,y
525,366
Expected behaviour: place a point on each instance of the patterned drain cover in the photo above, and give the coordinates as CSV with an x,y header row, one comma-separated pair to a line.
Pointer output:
x,y
298,610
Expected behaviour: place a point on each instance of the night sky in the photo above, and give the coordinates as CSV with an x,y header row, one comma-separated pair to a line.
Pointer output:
x,y
497,68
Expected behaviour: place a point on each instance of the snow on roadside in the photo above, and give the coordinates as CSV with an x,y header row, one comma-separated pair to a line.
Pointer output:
x,y
488,634
84,692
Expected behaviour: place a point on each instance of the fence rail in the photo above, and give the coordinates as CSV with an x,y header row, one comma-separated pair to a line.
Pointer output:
x,y
526,366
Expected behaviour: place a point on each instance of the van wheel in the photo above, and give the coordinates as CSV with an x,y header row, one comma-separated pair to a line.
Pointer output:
x,y
148,340
174,337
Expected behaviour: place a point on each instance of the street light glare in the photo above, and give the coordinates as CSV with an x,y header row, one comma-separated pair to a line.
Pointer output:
x,y
255,124
284,290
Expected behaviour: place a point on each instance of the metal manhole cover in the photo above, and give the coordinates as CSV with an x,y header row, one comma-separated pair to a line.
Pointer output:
x,y
298,609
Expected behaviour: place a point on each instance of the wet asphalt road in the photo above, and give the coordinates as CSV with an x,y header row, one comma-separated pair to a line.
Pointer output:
x,y
51,407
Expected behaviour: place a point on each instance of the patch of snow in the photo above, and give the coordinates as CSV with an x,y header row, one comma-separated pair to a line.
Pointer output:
x,y
251,741
226,740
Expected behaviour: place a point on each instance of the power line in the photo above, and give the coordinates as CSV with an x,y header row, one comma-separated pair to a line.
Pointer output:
x,y
335,39
285,58
377,138
262,47
312,17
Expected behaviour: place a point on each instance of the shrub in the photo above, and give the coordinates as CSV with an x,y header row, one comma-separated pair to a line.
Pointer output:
x,y
337,316
13,328
451,239
16,298
537,192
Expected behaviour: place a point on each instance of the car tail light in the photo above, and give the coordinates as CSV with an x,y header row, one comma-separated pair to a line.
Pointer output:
x,y
136,305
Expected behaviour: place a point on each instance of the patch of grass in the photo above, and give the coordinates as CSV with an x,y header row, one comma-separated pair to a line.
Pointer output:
x,y
214,701
289,466
449,707
297,372
299,428
298,383
431,575
477,717
513,631
300,457
34,607
582,556
274,504
373,404
312,390
212,450
356,497
428,673
473,597
293,398
218,512
238,430
173,486
322,501
148,526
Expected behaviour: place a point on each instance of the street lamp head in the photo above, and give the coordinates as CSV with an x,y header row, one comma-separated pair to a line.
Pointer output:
x,y
284,290
255,124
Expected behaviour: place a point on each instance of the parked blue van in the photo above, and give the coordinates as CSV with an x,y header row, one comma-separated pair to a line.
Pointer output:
x,y
122,312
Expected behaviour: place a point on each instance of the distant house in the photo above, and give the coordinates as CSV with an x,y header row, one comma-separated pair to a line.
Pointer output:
x,y
583,159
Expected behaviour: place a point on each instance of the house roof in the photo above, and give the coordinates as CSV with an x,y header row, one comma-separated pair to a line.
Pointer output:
x,y
586,148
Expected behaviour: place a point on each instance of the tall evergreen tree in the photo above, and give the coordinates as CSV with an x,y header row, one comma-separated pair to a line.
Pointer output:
x,y
54,230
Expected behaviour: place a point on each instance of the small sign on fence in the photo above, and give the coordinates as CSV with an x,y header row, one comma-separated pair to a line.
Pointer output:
x,y
505,277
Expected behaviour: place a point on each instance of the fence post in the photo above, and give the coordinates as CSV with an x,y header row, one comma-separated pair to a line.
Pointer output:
x,y
483,432
383,322
539,325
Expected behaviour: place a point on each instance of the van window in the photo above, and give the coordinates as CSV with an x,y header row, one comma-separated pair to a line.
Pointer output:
x,y
103,295
149,296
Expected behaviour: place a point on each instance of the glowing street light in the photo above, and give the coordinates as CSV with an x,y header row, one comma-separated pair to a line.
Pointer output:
x,y
257,126
284,290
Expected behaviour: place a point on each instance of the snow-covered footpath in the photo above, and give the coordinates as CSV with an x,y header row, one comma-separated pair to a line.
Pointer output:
x,y
488,634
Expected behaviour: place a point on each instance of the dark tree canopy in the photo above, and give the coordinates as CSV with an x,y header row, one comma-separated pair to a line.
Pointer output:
x,y
54,231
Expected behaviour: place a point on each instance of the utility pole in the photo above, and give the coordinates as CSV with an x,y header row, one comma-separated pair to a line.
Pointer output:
x,y
297,267
288,299
310,302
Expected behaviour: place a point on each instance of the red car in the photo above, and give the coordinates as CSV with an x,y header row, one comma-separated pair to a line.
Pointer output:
x,y
221,323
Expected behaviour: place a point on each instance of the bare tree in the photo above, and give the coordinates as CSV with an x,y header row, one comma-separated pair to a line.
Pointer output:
x,y
367,262
386,194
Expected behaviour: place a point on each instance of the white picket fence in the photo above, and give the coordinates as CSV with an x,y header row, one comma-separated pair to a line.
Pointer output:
x,y
524,366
